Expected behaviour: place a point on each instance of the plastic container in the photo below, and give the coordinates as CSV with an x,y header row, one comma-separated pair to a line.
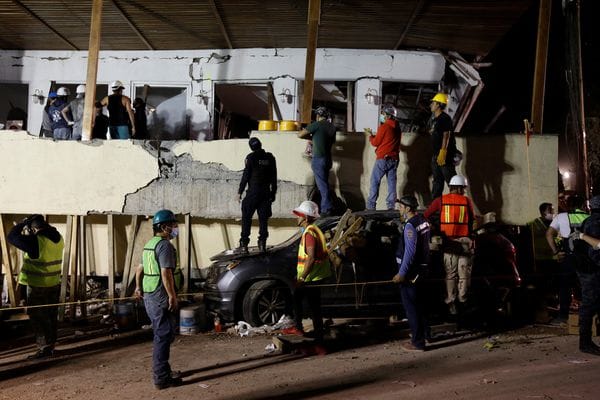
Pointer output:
x,y
267,125
288,125
191,319
124,315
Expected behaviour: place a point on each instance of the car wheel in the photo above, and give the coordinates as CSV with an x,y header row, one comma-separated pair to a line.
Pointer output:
x,y
265,302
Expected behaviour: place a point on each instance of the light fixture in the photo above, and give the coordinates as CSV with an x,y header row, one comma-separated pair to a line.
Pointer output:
x,y
286,96
38,96
371,96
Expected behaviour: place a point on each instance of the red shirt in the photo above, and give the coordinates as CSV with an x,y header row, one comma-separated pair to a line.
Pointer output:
x,y
387,140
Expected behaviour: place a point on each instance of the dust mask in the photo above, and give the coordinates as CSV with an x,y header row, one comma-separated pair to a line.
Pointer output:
x,y
381,118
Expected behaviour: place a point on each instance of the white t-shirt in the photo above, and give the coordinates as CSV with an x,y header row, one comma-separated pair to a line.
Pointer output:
x,y
561,224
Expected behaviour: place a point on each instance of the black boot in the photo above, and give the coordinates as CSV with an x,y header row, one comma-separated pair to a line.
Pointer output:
x,y
587,346
243,249
262,246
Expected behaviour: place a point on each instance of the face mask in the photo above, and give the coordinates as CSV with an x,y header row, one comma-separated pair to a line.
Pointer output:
x,y
549,217
381,118
174,232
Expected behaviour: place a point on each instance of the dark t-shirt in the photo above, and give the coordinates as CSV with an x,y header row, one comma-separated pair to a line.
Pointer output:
x,y
100,127
323,137
439,125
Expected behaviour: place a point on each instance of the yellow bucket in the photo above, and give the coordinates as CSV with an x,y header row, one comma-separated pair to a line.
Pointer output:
x,y
267,125
288,125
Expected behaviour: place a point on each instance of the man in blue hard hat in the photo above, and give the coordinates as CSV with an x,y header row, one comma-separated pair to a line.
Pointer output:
x,y
260,175
157,280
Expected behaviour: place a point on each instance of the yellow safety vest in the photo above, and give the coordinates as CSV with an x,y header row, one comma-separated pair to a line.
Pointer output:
x,y
45,270
152,276
321,269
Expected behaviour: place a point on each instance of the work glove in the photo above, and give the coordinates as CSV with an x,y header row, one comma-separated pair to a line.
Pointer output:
x,y
441,158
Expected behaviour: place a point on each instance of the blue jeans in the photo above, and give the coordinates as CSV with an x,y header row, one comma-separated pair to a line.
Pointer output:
x,y
119,131
414,313
321,167
389,168
590,304
163,325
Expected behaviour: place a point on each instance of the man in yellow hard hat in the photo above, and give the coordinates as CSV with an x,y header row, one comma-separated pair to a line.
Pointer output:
x,y
444,145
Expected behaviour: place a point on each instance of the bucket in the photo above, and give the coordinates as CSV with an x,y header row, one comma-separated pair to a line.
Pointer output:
x,y
267,125
288,126
124,315
192,319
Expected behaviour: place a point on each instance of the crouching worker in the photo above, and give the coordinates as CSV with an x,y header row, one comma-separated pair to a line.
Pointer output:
x,y
43,249
412,256
158,279
313,266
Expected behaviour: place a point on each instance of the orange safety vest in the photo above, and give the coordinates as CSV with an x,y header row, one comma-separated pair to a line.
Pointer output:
x,y
454,215
321,268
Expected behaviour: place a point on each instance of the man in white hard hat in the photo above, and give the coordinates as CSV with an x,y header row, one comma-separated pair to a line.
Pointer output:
x,y
313,266
60,128
73,112
443,145
456,218
120,113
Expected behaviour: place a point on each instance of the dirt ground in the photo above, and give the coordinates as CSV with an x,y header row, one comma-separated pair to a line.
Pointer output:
x,y
528,363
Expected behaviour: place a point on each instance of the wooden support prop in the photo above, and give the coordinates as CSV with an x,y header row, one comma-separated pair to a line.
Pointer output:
x,y
350,108
73,267
274,101
269,103
91,262
226,239
92,69
8,270
110,225
65,267
186,253
314,10
81,282
541,56
127,275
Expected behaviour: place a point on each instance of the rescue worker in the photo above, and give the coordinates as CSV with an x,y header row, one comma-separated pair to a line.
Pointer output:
x,y
60,127
412,257
456,218
313,266
73,112
158,279
589,276
387,144
557,237
43,250
120,114
322,134
443,145
542,253
260,174
46,120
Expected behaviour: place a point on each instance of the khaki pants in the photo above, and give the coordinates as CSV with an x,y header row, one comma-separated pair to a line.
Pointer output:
x,y
458,267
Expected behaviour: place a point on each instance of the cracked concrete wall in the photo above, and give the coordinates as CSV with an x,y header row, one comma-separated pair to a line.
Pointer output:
x,y
199,70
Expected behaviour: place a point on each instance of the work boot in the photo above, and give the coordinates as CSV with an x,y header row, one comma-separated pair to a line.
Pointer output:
x,y
262,246
589,348
169,382
243,248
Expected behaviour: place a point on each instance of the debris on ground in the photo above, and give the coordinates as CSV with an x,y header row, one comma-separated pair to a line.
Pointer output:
x,y
491,343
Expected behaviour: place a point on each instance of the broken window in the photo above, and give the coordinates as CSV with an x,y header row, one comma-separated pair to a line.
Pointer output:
x,y
13,107
238,108
334,96
412,102
166,111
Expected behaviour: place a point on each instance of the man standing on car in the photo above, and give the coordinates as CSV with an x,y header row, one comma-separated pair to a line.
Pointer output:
x,y
42,258
322,134
313,266
456,218
157,280
260,174
387,149
412,257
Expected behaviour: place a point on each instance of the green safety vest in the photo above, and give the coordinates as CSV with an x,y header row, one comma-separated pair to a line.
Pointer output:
x,y
45,270
321,268
152,277
576,218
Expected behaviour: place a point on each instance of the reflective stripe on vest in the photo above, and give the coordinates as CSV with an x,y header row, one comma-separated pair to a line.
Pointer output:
x,y
454,215
152,277
320,269
45,270
576,218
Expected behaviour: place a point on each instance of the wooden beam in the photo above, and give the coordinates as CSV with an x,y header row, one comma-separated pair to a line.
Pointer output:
x,y
416,11
314,10
350,108
541,56
186,253
132,25
110,225
127,275
275,104
92,69
81,282
8,270
65,266
222,27
41,21
73,265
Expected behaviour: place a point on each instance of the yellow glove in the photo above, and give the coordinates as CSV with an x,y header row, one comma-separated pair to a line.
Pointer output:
x,y
441,158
